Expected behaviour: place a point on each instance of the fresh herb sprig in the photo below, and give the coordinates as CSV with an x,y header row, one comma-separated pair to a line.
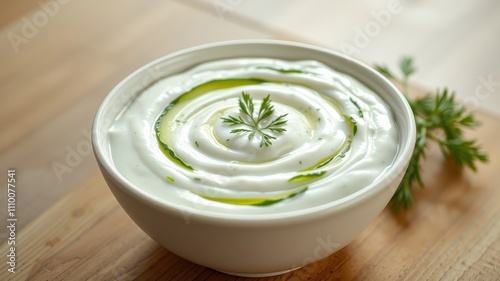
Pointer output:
x,y
438,118
253,123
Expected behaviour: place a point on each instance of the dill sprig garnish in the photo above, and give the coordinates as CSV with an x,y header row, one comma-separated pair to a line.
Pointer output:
x,y
254,124
439,118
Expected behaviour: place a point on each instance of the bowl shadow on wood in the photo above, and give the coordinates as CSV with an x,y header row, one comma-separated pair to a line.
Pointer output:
x,y
161,264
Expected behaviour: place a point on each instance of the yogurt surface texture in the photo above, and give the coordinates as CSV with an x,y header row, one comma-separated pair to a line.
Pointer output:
x,y
172,141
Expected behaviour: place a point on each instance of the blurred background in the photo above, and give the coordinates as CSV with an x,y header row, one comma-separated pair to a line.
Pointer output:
x,y
455,44
59,59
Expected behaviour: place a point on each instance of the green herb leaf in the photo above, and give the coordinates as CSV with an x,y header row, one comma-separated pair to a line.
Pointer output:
x,y
438,118
406,66
254,125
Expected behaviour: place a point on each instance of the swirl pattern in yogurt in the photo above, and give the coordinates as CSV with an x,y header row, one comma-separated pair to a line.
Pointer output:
x,y
171,140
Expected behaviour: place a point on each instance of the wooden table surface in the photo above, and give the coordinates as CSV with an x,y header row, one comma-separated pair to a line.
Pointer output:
x,y
59,60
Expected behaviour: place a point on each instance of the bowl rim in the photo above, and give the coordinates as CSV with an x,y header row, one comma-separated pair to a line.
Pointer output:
x,y
399,165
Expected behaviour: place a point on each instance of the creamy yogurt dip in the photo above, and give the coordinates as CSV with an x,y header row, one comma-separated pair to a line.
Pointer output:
x,y
172,141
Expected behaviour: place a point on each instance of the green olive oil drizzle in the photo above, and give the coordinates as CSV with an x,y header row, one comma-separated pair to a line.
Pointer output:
x,y
307,177
282,70
170,112
256,201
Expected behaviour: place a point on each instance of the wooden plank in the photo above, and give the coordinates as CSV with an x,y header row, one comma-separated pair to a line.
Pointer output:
x,y
16,10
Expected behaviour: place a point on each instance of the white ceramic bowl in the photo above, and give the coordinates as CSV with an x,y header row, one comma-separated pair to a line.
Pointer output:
x,y
260,245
